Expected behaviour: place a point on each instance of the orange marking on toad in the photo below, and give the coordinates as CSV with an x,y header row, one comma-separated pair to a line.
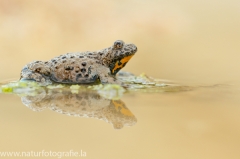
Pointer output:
x,y
123,61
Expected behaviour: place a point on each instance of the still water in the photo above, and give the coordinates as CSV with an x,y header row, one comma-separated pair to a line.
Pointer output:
x,y
197,122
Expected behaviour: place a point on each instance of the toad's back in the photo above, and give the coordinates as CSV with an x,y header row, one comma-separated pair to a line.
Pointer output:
x,y
74,68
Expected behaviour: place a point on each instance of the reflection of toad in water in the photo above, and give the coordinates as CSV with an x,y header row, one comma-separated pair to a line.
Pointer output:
x,y
85,103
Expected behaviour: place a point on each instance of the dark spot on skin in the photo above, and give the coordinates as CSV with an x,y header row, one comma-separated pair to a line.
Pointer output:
x,y
56,67
83,70
38,69
126,49
47,73
127,53
84,64
72,62
46,62
94,78
111,65
116,71
78,76
89,53
100,54
72,57
121,56
86,75
76,71
37,61
119,63
55,62
69,68
89,70
64,61
81,56
63,57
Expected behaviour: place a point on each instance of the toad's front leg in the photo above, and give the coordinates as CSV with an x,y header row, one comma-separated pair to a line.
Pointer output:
x,y
36,71
106,77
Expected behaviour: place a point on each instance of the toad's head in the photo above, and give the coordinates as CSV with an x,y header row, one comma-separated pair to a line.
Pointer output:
x,y
119,54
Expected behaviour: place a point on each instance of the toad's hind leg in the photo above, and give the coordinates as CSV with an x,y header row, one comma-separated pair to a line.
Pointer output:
x,y
36,71
106,77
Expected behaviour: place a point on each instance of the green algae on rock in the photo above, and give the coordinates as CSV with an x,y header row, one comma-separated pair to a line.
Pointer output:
x,y
111,91
131,83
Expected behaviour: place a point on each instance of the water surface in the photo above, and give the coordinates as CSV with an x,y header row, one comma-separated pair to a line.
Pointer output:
x,y
197,123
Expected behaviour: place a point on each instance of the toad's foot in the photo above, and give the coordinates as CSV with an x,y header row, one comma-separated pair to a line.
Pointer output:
x,y
110,80
36,71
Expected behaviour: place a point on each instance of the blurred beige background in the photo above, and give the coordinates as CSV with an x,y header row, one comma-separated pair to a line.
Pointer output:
x,y
187,41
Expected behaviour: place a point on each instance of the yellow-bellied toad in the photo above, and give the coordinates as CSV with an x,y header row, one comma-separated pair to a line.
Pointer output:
x,y
81,67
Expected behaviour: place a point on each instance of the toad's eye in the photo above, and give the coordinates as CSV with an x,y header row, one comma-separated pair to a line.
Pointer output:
x,y
118,44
